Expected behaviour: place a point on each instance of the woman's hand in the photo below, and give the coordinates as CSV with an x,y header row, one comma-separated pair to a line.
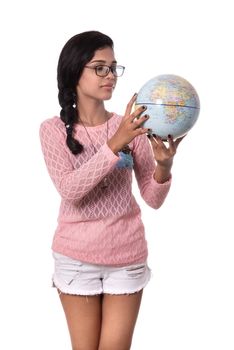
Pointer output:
x,y
164,156
129,128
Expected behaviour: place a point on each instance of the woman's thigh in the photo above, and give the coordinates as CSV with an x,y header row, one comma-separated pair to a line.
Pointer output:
x,y
119,315
83,314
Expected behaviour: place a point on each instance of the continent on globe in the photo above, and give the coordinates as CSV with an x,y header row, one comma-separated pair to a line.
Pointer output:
x,y
172,104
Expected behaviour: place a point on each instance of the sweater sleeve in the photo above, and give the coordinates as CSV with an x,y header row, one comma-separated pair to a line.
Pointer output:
x,y
152,192
72,184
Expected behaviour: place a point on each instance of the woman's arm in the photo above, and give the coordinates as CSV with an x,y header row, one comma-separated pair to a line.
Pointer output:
x,y
153,181
72,184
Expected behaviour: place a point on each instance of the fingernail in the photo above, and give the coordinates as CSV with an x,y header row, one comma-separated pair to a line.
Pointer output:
x,y
146,116
149,136
169,136
135,94
144,107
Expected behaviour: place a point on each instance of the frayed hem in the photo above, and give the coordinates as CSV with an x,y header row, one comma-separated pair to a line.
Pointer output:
x,y
122,294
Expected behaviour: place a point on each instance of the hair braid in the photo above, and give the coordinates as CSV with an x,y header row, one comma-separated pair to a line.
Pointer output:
x,y
69,116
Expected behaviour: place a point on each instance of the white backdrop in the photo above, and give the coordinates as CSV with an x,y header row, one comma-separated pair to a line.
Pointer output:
x,y
189,302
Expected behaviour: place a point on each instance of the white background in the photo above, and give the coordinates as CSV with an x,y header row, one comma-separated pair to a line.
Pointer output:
x,y
189,303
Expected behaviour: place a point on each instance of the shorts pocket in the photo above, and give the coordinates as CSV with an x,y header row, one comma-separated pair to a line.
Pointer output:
x,y
136,271
68,276
67,269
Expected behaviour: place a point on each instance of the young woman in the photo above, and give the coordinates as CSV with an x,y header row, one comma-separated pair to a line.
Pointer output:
x,y
99,246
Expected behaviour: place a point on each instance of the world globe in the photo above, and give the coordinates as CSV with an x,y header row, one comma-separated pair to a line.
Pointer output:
x,y
172,104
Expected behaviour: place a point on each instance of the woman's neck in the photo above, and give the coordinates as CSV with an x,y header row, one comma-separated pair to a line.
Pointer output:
x,y
93,116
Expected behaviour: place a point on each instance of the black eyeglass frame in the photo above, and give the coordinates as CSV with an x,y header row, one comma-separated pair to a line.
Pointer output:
x,y
112,69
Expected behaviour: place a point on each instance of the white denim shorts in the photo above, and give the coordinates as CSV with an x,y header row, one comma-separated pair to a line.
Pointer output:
x,y
80,278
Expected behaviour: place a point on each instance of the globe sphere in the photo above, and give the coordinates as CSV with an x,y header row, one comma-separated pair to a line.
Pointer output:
x,y
172,104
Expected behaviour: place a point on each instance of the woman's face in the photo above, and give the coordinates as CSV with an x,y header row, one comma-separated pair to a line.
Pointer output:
x,y
97,87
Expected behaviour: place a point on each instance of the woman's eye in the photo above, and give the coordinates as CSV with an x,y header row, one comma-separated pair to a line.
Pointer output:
x,y
100,69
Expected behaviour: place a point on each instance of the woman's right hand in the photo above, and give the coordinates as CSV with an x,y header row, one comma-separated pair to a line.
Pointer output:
x,y
129,128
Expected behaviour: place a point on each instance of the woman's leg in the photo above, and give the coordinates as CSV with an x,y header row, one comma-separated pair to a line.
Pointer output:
x,y
84,318
119,315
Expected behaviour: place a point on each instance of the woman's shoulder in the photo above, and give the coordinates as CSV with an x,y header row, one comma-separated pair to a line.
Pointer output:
x,y
52,124
116,116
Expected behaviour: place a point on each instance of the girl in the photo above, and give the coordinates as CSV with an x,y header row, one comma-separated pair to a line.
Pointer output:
x,y
99,246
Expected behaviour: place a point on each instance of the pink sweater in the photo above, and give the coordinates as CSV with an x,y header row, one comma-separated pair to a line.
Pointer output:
x,y
95,224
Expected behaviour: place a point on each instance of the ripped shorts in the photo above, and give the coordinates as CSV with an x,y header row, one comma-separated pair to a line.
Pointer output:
x,y
80,278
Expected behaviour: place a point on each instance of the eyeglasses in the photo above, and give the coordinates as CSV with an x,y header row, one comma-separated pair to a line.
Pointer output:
x,y
103,70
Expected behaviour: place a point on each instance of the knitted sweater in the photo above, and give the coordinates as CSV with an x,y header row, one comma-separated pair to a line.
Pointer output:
x,y
95,224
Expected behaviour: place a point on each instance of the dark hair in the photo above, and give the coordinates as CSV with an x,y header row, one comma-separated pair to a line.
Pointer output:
x,y
76,53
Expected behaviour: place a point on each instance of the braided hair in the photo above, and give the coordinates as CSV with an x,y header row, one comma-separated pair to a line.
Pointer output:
x,y
76,53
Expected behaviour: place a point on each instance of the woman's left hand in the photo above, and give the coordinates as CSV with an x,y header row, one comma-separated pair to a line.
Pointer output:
x,y
164,155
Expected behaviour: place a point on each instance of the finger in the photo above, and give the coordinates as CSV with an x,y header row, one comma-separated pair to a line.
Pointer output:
x,y
159,141
129,105
172,145
138,122
157,138
140,131
136,114
177,141
153,141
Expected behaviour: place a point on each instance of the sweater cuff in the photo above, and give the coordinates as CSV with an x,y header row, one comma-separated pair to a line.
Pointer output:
x,y
113,158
